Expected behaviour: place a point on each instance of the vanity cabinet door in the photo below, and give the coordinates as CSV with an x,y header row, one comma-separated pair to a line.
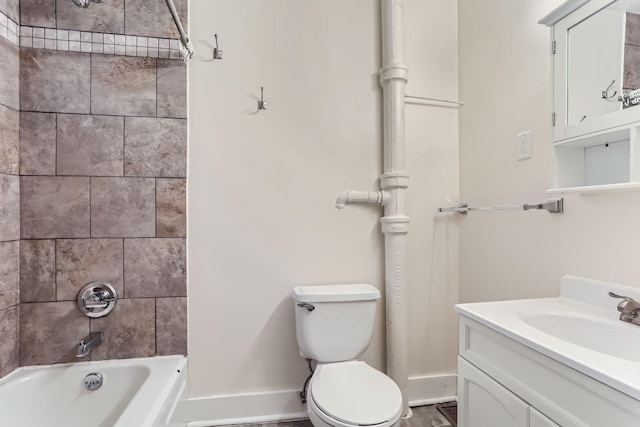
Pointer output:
x,y
536,419
482,402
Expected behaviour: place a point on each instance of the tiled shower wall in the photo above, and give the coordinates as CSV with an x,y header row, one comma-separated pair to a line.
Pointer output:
x,y
9,194
102,164
632,53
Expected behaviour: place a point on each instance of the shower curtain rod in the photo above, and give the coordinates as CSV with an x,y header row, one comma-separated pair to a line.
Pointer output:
x,y
184,38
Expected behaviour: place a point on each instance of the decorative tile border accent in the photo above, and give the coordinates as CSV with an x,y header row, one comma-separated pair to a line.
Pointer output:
x,y
88,42
9,29
108,44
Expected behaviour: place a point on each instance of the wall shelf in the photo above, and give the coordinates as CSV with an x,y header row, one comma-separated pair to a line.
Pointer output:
x,y
596,189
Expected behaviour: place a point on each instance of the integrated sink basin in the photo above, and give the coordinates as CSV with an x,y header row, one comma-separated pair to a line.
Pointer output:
x,y
581,328
611,337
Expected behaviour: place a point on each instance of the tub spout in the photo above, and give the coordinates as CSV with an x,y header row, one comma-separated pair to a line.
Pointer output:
x,y
347,197
89,342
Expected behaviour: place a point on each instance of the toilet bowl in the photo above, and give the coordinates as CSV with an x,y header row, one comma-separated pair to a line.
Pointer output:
x,y
350,394
334,324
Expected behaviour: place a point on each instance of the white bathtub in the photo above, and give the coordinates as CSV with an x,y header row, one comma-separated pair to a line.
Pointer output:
x,y
145,392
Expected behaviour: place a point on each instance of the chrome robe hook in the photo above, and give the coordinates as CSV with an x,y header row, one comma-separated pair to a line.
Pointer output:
x,y
262,104
605,93
217,52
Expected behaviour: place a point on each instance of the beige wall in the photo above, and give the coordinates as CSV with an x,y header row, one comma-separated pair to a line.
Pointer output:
x,y
505,83
262,186
432,159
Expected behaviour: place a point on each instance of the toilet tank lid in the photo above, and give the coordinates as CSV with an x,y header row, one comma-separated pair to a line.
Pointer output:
x,y
335,293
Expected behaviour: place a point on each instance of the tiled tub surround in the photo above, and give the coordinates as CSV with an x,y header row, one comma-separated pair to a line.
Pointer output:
x,y
9,189
11,8
87,41
631,77
149,18
84,163
9,28
103,173
141,28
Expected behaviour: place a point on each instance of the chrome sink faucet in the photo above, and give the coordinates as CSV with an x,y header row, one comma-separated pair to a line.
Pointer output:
x,y
91,341
629,309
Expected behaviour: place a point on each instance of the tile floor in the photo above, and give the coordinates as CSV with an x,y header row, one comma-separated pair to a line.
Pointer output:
x,y
423,416
426,416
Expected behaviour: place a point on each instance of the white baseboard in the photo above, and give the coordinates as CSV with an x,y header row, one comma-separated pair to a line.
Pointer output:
x,y
281,405
427,390
245,408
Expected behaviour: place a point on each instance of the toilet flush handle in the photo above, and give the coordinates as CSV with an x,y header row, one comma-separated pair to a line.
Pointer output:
x,y
306,305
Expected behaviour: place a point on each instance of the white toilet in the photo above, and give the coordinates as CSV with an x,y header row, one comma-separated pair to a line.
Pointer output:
x,y
334,324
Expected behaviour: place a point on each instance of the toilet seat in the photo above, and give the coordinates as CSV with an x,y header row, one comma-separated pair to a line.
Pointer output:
x,y
354,394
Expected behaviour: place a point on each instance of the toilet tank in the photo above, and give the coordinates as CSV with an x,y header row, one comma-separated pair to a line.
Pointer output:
x,y
334,323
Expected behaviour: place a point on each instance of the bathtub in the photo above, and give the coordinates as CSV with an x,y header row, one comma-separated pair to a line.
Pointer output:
x,y
147,392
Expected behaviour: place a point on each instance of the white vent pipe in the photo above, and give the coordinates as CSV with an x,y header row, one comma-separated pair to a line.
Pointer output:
x,y
394,182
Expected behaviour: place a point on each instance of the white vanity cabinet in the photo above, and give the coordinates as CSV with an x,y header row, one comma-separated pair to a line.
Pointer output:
x,y
536,419
503,383
483,402
596,113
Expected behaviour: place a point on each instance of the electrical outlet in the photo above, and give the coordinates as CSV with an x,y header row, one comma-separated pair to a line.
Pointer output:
x,y
524,146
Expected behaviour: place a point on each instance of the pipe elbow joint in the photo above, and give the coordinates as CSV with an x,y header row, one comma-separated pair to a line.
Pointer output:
x,y
341,201
349,197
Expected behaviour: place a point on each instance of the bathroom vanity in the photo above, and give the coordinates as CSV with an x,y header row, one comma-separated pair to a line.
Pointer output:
x,y
566,361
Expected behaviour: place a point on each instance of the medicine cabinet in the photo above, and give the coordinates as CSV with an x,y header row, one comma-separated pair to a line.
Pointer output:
x,y
595,48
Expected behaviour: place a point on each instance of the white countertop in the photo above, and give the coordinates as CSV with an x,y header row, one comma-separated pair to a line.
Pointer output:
x,y
579,298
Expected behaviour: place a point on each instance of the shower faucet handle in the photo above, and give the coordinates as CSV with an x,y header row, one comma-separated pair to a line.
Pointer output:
x,y
97,299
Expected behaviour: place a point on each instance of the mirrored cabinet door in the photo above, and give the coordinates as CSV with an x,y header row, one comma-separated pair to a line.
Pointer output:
x,y
596,94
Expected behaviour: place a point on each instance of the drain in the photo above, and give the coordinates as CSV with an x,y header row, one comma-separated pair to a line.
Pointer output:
x,y
92,382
